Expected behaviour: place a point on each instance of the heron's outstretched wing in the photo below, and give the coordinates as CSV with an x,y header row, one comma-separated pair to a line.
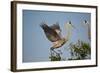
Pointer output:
x,y
50,33
56,26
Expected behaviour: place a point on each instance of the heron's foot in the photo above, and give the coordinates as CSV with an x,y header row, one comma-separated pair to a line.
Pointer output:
x,y
53,51
52,48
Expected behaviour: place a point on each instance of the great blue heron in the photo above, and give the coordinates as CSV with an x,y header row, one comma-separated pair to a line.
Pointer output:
x,y
53,33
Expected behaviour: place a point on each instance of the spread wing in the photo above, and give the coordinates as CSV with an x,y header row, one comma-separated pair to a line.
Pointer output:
x,y
56,27
50,33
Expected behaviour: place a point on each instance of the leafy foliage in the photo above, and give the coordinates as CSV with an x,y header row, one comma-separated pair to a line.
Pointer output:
x,y
80,50
55,56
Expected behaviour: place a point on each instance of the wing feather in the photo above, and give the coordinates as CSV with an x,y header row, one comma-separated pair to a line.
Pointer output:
x,y
50,33
56,26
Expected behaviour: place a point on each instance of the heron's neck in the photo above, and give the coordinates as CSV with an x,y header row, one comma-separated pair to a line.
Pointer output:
x,y
68,36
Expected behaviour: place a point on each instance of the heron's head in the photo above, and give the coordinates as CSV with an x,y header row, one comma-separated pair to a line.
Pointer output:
x,y
70,22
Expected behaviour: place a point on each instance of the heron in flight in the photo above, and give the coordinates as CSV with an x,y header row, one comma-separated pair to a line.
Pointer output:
x,y
53,34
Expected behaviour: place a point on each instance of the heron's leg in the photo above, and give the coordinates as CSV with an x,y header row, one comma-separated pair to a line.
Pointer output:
x,y
53,51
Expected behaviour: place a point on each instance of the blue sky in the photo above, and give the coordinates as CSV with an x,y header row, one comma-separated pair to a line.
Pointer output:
x,y
36,47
